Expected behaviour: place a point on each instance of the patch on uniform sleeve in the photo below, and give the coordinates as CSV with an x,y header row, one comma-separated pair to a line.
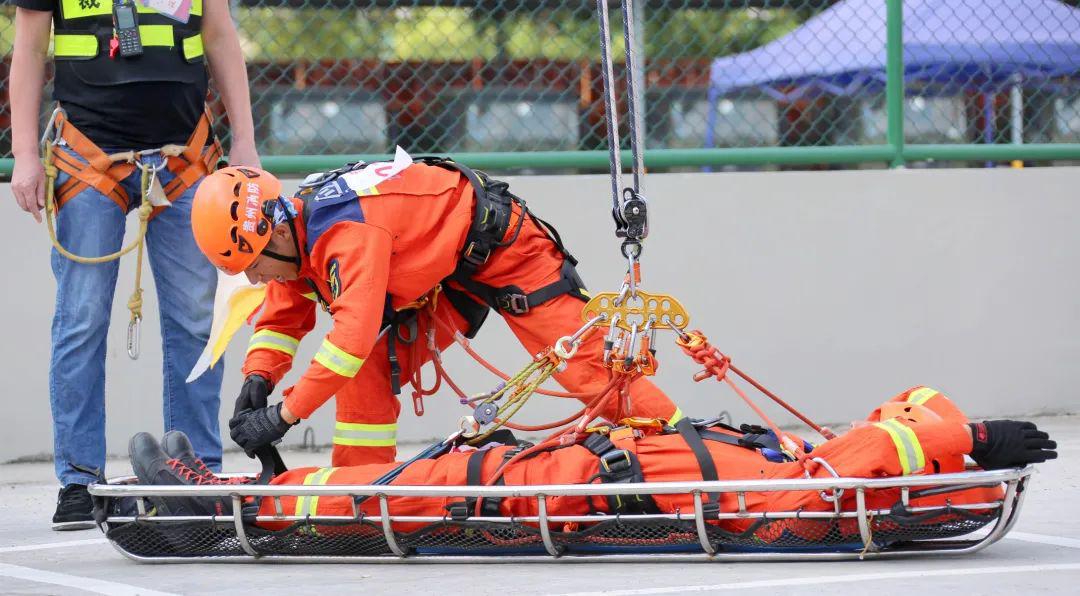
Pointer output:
x,y
335,279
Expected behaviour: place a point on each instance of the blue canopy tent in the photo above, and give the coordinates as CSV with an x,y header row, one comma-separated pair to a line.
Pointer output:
x,y
950,46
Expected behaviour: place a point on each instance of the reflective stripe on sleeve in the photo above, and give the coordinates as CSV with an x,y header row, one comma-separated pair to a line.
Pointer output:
x,y
338,360
908,449
354,434
309,505
921,395
265,339
676,416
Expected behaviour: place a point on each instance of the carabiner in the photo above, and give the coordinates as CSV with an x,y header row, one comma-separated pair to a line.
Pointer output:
x,y
134,335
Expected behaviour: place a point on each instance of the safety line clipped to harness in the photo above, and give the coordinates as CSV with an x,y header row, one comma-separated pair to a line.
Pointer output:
x,y
145,211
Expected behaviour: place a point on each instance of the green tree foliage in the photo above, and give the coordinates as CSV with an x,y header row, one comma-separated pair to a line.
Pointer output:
x,y
447,33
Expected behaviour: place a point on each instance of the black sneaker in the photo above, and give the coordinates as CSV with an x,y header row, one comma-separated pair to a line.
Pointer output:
x,y
177,446
153,466
74,509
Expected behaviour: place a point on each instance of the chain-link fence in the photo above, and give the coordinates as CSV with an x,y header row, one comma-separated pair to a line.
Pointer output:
x,y
339,76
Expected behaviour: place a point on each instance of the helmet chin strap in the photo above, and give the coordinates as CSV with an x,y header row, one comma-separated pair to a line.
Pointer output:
x,y
295,260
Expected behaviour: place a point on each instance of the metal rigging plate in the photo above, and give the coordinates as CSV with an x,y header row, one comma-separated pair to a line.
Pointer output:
x,y
663,310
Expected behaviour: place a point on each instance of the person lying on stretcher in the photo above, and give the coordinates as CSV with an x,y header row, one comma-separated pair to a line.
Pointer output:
x,y
920,431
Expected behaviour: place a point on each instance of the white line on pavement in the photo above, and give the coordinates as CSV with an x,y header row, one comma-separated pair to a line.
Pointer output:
x,y
49,545
1045,539
73,581
833,579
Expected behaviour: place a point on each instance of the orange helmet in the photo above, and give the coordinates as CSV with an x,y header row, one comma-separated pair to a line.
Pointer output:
x,y
908,411
228,216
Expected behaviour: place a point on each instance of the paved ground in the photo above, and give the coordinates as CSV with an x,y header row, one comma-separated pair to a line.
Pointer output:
x,y
1041,555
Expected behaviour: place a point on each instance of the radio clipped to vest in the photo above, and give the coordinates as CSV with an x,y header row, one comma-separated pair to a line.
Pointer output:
x,y
126,39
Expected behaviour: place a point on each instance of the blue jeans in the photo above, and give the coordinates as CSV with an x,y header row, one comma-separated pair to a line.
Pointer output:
x,y
91,224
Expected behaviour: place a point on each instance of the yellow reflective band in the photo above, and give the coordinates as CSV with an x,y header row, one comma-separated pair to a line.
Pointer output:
x,y
311,296
157,35
367,192
354,434
272,340
921,396
309,505
677,416
908,449
193,47
75,46
337,360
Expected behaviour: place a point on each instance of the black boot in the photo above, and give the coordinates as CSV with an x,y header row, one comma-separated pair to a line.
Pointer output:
x,y
153,466
177,446
74,509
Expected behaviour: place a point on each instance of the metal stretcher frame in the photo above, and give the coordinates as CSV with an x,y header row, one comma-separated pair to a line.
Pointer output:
x,y
1006,512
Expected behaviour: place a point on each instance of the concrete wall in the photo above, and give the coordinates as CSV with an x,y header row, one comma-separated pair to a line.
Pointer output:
x,y
835,289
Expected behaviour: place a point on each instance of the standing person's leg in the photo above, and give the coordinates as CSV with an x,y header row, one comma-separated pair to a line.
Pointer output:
x,y
89,224
185,283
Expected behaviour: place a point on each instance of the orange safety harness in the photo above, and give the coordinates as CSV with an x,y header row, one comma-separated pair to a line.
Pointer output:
x,y
103,172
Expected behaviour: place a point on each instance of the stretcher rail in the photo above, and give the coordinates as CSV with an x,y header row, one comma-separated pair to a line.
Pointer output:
x,y
693,535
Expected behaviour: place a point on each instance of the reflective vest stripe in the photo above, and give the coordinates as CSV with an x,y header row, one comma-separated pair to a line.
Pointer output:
x,y
272,340
353,434
85,45
338,360
676,416
309,505
908,449
157,35
75,46
312,296
921,395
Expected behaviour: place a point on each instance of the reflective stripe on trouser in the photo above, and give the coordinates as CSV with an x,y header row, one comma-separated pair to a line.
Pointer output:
x,y
908,449
337,360
356,434
272,340
310,505
921,395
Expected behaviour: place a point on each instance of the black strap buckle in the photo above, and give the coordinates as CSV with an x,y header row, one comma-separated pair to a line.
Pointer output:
x,y
475,255
616,462
517,304
458,511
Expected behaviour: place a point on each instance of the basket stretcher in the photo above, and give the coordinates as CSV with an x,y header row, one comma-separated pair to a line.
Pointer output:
x,y
860,533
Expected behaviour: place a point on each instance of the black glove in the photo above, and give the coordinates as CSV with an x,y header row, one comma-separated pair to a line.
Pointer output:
x,y
1001,444
253,394
253,429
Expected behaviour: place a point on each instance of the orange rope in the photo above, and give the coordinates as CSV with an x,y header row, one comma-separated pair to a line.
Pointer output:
x,y
717,365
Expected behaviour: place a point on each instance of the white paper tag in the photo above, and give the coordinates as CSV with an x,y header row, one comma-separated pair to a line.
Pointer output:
x,y
370,177
177,10
156,195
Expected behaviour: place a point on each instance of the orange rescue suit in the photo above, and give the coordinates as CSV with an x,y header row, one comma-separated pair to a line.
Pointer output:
x,y
870,450
396,242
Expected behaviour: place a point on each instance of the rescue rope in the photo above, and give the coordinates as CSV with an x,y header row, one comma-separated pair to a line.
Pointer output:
x,y
716,364
145,211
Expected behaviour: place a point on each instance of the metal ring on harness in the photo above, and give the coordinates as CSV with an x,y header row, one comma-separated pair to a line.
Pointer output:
x,y
563,352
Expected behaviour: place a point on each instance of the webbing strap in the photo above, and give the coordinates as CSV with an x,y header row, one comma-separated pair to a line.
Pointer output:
x,y
701,453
